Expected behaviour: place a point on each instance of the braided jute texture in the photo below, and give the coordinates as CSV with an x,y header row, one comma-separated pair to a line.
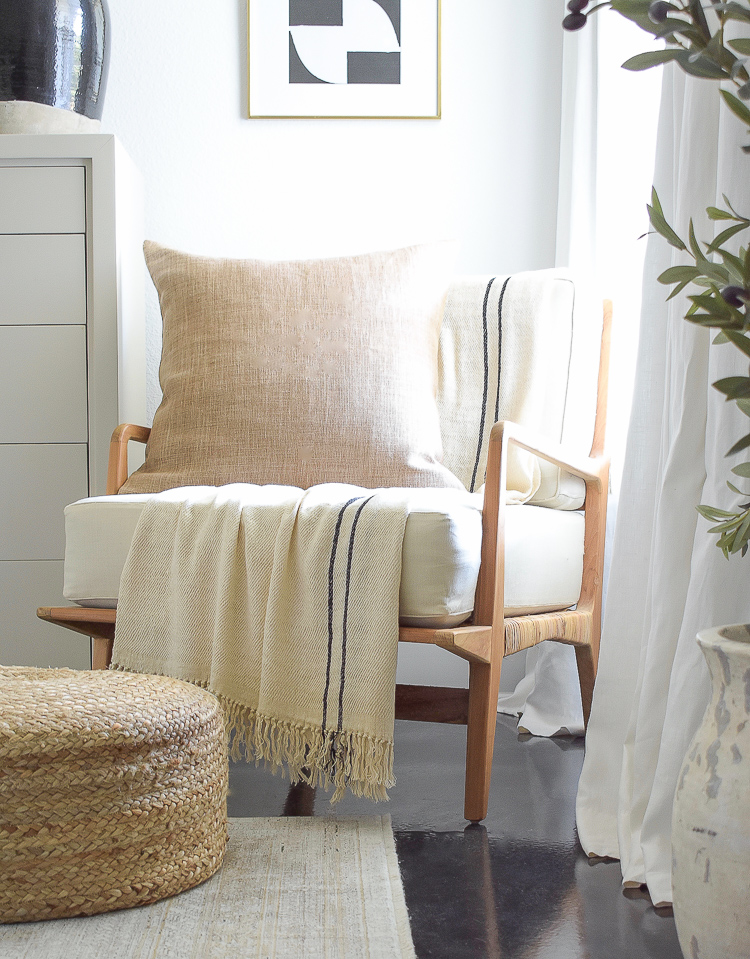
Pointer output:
x,y
112,790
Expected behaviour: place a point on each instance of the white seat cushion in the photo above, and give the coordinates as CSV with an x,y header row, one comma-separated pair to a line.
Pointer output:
x,y
440,563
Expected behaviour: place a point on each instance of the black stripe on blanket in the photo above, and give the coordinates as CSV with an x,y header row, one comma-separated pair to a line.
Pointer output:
x,y
486,383
346,608
500,346
331,565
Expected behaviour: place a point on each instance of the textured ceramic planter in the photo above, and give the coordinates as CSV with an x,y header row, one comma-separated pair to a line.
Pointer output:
x,y
53,65
711,821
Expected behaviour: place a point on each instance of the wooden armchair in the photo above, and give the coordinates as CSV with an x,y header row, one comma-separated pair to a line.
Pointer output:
x,y
490,634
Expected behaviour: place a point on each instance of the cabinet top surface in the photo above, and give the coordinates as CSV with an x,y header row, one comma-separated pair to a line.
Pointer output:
x,y
23,146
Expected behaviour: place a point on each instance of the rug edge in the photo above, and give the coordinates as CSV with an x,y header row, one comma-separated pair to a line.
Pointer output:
x,y
400,910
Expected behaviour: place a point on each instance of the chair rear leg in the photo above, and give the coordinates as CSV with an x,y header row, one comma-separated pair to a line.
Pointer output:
x,y
484,685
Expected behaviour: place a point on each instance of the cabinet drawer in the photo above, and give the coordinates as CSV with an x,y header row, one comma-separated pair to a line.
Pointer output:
x,y
38,199
36,484
24,639
43,384
42,278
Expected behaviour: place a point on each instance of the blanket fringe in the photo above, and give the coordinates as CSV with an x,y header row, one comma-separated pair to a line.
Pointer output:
x,y
330,758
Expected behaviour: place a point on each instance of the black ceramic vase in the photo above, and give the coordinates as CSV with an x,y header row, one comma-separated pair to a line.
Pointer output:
x,y
55,52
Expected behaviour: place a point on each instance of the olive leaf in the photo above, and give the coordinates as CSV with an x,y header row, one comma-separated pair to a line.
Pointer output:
x,y
741,536
676,274
659,223
734,265
734,387
736,106
739,445
698,65
644,61
714,213
733,11
726,235
740,340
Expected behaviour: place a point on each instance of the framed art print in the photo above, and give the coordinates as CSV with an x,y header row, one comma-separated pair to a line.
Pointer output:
x,y
344,58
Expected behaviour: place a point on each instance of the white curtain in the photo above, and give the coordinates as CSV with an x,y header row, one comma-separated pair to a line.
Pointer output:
x,y
547,699
667,579
608,131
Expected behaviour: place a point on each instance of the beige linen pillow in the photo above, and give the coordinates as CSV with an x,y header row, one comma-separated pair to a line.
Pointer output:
x,y
298,373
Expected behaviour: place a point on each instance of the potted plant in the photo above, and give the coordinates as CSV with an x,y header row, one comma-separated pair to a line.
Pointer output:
x,y
711,821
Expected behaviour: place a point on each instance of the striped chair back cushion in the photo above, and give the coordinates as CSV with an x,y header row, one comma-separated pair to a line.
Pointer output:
x,y
525,348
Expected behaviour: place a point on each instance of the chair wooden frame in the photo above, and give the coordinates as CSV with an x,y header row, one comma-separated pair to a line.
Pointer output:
x,y
490,635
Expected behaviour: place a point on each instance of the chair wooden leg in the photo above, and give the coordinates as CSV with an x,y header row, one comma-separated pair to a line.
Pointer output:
x,y
484,685
586,662
101,652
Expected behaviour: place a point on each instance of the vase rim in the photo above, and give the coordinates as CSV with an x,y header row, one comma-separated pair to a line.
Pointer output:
x,y
733,634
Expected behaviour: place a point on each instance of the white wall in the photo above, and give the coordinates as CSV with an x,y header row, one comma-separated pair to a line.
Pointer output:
x,y
219,184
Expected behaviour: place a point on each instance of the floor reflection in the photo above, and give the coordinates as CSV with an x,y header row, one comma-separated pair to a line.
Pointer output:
x,y
487,898
517,886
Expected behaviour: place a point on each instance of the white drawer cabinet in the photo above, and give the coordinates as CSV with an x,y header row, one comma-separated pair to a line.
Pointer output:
x,y
41,198
34,641
43,384
42,278
37,481
72,362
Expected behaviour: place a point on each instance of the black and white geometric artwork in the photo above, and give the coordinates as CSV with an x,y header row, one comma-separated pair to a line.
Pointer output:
x,y
339,58
344,41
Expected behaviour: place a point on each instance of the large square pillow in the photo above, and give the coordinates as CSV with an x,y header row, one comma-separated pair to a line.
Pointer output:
x,y
298,373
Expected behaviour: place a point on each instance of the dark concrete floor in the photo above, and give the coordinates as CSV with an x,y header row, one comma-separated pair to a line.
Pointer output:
x,y
518,885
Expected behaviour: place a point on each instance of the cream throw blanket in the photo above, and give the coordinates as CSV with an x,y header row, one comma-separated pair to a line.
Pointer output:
x,y
505,354
284,603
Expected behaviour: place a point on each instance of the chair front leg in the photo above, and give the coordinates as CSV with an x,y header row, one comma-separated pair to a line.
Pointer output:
x,y
484,686
484,678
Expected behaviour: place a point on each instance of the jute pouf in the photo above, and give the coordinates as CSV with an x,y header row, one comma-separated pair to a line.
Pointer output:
x,y
112,790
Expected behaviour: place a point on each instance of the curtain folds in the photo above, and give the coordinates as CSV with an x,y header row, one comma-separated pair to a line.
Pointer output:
x,y
547,699
608,133
667,578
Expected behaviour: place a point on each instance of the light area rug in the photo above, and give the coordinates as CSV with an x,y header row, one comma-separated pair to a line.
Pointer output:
x,y
289,888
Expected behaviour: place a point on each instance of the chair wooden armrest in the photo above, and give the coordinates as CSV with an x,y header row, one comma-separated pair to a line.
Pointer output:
x,y
117,471
594,470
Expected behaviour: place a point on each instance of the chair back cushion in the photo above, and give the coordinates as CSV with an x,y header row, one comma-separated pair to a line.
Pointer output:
x,y
298,373
524,348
